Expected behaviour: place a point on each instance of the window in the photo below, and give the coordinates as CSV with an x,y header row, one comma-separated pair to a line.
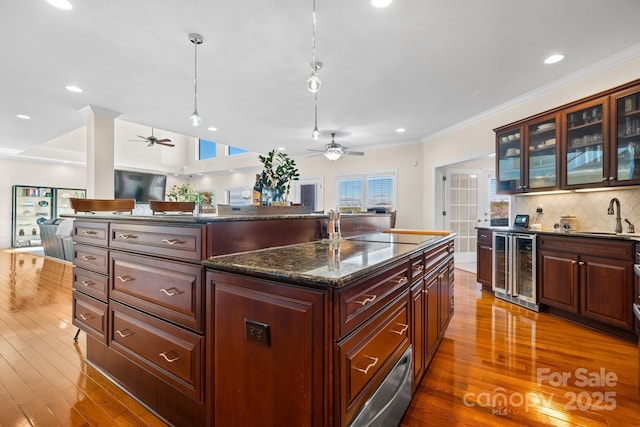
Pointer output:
x,y
366,192
232,151
499,206
206,149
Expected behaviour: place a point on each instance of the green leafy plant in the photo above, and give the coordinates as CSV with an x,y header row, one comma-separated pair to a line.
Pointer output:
x,y
182,193
279,170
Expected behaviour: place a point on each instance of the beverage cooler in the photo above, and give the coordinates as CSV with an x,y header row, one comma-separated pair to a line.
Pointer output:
x,y
32,206
514,268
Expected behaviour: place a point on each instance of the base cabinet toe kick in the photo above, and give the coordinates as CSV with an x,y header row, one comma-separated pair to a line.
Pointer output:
x,y
201,345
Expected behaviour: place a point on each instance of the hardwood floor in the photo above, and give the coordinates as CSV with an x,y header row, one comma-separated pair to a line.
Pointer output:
x,y
485,372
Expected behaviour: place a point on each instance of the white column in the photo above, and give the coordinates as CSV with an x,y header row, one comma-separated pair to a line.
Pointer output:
x,y
100,152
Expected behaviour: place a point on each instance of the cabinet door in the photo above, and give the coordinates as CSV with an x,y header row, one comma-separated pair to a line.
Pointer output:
x,y
586,149
626,142
484,260
559,280
431,316
541,154
606,291
418,331
509,161
444,310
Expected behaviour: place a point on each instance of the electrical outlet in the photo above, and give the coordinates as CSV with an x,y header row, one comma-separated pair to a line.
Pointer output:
x,y
258,332
539,210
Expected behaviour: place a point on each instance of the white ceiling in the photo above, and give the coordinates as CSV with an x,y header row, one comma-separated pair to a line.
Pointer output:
x,y
424,65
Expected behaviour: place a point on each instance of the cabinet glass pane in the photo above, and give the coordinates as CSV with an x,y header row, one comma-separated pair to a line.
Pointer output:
x,y
584,146
509,161
628,137
31,207
542,154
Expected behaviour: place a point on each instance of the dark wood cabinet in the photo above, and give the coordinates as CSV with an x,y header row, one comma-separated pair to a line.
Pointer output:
x,y
418,332
590,279
591,142
484,259
267,352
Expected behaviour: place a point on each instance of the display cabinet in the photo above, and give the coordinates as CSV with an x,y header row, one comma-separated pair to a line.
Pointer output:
x,y
31,207
626,142
509,160
62,196
587,153
541,165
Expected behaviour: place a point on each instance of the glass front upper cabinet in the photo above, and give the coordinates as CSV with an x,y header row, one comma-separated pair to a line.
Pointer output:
x,y
586,140
509,161
627,140
542,151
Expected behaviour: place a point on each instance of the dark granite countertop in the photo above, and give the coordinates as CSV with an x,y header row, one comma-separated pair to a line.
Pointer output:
x,y
323,263
577,233
200,219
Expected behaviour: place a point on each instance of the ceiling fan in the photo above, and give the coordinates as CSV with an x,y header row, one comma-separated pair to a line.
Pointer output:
x,y
151,140
334,151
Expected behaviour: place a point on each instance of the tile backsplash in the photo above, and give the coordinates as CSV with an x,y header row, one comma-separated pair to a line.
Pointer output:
x,y
590,208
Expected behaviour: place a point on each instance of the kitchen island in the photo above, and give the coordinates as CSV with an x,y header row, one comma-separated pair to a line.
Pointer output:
x,y
289,332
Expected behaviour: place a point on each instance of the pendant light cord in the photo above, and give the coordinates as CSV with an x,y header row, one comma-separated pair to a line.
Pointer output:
x,y
195,76
313,63
316,109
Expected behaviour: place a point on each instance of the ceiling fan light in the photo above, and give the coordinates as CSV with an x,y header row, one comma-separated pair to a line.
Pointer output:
x,y
315,134
333,155
195,119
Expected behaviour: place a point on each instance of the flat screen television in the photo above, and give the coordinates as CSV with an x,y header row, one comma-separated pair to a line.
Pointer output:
x,y
140,186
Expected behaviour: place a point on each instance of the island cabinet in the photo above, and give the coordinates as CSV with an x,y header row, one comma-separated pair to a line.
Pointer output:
x,y
138,294
484,258
284,350
586,282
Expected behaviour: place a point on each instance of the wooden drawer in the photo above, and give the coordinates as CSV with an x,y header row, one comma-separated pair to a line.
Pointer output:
x,y
172,353
180,242
435,256
367,356
91,258
92,233
357,303
417,267
605,248
90,315
90,283
171,290
485,237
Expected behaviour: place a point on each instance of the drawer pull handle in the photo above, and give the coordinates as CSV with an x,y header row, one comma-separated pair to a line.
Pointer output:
x,y
172,242
369,366
88,232
127,236
170,292
368,299
85,316
401,331
401,280
88,283
126,333
87,257
168,359
419,269
441,275
581,263
125,279
573,261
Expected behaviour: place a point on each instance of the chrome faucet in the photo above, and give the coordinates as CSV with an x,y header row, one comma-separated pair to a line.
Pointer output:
x,y
611,212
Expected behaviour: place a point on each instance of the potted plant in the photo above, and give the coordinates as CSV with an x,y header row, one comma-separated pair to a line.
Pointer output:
x,y
180,198
279,170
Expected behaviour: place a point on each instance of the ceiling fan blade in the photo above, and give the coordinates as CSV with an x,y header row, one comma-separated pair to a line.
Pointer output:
x,y
143,137
161,142
353,153
317,151
137,140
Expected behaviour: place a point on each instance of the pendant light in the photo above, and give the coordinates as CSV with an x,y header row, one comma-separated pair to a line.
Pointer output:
x,y
313,82
316,133
195,119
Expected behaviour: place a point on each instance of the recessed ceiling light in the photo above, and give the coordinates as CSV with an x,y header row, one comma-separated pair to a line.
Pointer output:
x,y
554,58
400,130
281,148
60,4
381,3
232,170
23,116
200,174
212,129
72,88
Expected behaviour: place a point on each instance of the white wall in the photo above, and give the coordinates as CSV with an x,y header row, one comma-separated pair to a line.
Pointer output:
x,y
478,139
